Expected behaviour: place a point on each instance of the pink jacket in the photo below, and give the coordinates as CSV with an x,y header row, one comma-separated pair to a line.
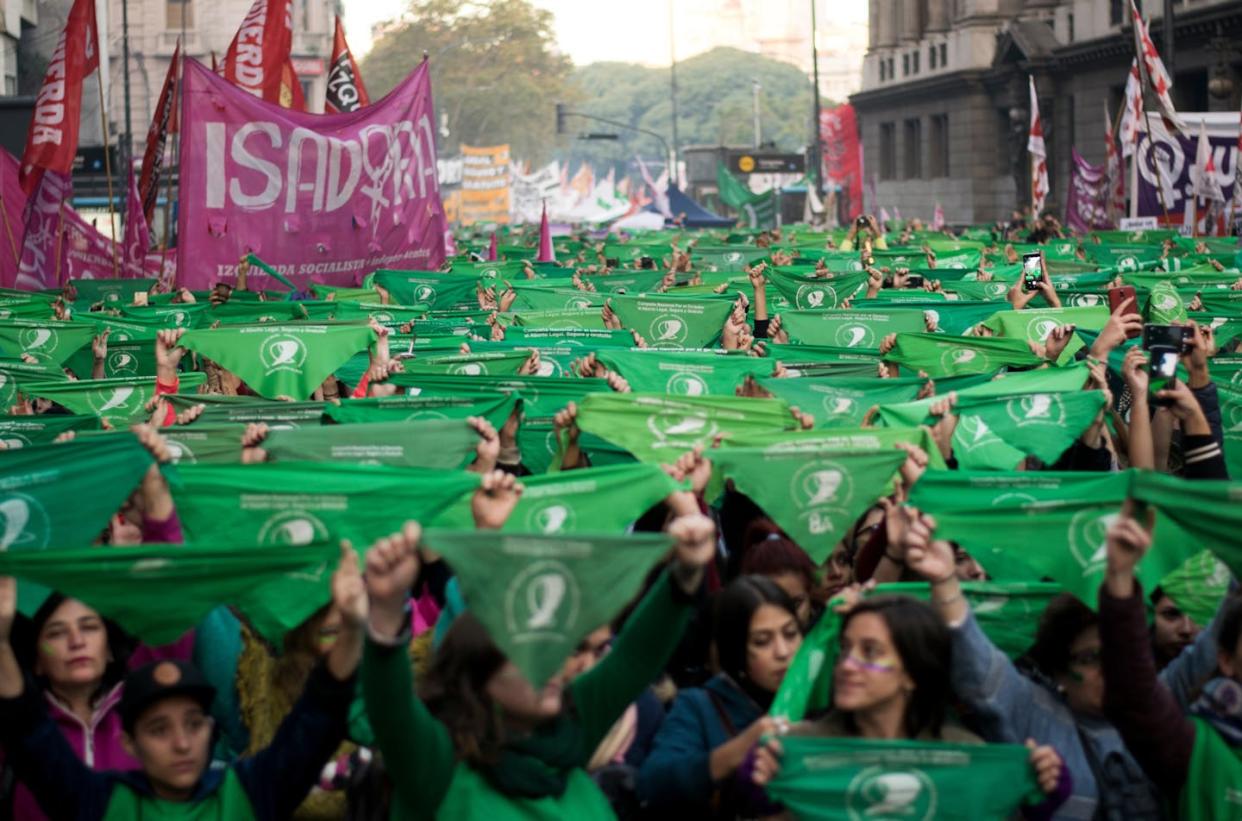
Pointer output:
x,y
97,744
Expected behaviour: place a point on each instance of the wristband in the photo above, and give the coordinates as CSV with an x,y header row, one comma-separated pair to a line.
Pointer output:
x,y
893,558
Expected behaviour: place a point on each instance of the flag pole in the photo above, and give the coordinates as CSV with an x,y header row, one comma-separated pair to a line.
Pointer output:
x,y
60,238
103,123
8,230
176,150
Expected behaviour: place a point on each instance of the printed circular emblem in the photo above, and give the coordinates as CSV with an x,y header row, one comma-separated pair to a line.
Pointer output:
x,y
180,318
5,313
686,384
1036,409
733,256
179,452
283,353
855,265
487,273
577,303
1086,300
121,363
424,293
14,441
1127,264
292,527
549,367
542,602
996,289
550,517
114,404
855,336
973,433
1039,328
24,523
425,414
745,163
668,330
1236,379
838,406
1234,410
881,794
666,426
166,673
468,369
38,340
956,265
120,336
820,490
1088,531
383,316
1165,302
816,296
963,360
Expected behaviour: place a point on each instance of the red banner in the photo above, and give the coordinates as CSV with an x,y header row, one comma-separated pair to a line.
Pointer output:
x,y
52,140
842,154
345,89
163,123
258,56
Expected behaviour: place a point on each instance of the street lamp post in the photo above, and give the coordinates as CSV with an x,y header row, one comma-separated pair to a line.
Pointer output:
x,y
672,68
755,89
816,158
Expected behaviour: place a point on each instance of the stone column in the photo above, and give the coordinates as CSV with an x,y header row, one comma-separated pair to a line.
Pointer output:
x,y
911,20
873,24
938,15
886,22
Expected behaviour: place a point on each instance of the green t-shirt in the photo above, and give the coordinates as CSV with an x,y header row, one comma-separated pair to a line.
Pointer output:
x,y
229,803
471,796
1213,788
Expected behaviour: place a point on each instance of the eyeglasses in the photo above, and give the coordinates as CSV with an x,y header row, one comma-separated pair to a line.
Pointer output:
x,y
1085,658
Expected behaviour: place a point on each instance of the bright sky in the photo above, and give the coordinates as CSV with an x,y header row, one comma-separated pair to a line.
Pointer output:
x,y
637,30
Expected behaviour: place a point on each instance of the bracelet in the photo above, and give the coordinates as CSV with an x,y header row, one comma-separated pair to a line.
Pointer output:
x,y
893,558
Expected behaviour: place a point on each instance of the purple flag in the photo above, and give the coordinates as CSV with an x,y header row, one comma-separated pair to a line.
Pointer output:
x,y
491,249
12,218
42,263
1086,204
323,197
137,235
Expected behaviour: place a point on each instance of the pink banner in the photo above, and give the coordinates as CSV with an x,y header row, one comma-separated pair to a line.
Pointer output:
x,y
12,218
137,237
322,197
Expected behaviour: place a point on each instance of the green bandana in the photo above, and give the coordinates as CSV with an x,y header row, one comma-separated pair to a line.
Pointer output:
x,y
245,410
158,592
542,298
281,359
598,500
814,495
850,328
207,443
1035,325
659,429
841,402
490,363
812,293
23,431
950,317
1198,587
848,439
428,288
289,504
430,406
668,322
1208,513
587,337
828,779
540,595
1030,525
124,360
119,402
445,444
572,319
111,291
684,373
63,494
49,342
939,356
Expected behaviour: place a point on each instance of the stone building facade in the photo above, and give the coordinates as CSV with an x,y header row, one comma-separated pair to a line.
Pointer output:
x,y
943,109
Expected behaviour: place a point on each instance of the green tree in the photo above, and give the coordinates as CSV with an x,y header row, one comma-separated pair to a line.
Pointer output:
x,y
495,73
713,99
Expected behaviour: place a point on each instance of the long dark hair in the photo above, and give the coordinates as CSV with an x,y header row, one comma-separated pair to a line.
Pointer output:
x,y
455,690
922,641
120,645
735,606
1063,620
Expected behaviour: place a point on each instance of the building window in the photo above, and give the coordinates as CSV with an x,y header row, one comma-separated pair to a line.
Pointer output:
x,y
179,14
308,88
892,69
905,65
944,55
931,58
10,85
938,147
883,71
1117,12
913,149
888,151
914,61
1070,25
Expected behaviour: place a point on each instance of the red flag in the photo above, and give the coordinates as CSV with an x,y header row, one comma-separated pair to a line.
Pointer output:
x,y
1116,176
546,252
163,123
257,57
52,140
1154,73
291,88
345,89
1039,156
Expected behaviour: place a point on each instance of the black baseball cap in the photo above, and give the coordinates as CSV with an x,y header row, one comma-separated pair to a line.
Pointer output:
x,y
158,681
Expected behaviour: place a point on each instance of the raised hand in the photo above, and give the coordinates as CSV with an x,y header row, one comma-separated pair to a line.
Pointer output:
x,y
349,592
494,500
1057,340
695,535
391,566
488,450
1126,543
1047,765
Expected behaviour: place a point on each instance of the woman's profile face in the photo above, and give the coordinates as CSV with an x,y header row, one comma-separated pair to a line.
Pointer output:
x,y
1083,681
771,642
869,672
72,646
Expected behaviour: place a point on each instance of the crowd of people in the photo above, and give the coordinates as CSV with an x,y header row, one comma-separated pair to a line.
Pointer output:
x,y
877,522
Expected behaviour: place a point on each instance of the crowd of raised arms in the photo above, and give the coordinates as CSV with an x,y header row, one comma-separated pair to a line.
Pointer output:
x,y
870,523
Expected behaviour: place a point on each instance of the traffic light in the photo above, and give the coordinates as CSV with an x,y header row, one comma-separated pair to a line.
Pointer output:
x,y
560,118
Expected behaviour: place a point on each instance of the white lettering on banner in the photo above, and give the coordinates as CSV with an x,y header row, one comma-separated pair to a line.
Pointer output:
x,y
398,160
49,111
248,62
